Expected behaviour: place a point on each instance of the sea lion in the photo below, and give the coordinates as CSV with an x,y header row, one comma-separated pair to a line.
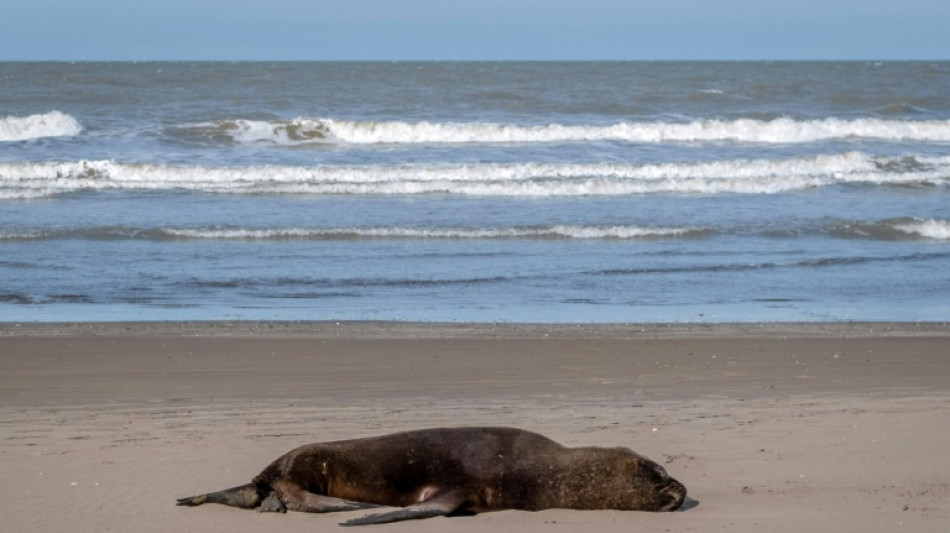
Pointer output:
x,y
453,471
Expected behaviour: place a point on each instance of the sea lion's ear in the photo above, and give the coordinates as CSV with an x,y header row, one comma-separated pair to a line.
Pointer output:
x,y
660,471
440,504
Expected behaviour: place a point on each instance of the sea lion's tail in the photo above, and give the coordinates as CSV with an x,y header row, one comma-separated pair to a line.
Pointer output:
x,y
245,497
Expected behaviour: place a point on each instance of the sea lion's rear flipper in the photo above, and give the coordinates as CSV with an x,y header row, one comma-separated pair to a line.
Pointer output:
x,y
245,497
441,504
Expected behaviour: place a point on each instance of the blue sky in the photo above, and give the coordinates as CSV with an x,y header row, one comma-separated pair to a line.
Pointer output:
x,y
473,29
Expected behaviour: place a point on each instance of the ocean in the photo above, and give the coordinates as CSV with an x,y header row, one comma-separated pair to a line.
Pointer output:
x,y
491,192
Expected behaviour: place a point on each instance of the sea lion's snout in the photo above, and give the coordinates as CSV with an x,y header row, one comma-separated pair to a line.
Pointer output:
x,y
672,494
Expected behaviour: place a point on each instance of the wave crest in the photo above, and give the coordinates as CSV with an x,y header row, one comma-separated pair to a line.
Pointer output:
x,y
757,176
539,232
927,228
284,132
776,131
52,124
617,232
896,229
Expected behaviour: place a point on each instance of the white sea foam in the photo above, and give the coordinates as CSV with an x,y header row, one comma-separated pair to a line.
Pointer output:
x,y
758,176
780,130
290,132
928,228
555,231
52,124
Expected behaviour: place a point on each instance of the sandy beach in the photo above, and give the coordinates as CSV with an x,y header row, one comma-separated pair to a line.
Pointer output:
x,y
774,427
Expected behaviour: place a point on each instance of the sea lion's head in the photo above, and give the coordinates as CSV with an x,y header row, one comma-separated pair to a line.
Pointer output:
x,y
658,491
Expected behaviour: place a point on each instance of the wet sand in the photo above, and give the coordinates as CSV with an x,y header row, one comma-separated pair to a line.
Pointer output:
x,y
772,427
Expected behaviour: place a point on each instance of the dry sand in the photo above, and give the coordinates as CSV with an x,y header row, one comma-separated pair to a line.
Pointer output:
x,y
785,427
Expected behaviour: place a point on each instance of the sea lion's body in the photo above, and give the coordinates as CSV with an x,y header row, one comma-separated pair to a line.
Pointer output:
x,y
453,471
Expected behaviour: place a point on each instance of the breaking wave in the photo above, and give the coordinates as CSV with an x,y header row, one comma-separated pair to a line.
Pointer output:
x,y
907,228
780,130
927,228
756,176
617,232
896,229
540,232
52,124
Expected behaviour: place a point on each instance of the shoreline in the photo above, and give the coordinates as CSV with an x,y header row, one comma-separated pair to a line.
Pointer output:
x,y
406,329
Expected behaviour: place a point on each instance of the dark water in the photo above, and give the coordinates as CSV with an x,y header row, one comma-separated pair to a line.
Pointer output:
x,y
475,191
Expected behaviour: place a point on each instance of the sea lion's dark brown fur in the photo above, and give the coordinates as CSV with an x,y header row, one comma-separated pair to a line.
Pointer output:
x,y
437,472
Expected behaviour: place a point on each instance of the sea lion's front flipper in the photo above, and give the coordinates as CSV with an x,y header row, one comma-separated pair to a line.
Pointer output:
x,y
441,504
296,498
245,497
272,504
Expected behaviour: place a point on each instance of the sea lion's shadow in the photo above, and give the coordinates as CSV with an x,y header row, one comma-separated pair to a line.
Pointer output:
x,y
688,503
